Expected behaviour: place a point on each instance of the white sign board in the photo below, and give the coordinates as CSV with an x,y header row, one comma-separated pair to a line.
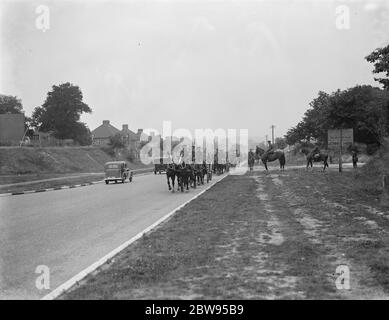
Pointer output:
x,y
337,136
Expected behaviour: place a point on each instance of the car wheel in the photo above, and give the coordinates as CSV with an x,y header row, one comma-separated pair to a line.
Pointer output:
x,y
106,181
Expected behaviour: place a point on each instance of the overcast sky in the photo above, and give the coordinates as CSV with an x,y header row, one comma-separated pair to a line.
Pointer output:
x,y
203,64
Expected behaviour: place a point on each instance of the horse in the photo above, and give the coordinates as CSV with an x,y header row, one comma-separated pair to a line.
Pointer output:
x,y
185,176
208,171
200,172
171,174
268,157
194,172
312,156
219,168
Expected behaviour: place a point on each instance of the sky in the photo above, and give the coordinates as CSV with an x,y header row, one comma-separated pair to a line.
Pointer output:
x,y
199,64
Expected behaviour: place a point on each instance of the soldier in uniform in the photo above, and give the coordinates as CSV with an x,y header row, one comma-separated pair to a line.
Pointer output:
x,y
271,149
315,152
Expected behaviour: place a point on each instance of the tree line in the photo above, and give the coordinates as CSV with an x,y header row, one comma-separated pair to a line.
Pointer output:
x,y
364,108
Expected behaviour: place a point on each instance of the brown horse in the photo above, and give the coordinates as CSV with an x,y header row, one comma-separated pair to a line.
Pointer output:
x,y
171,174
272,156
313,156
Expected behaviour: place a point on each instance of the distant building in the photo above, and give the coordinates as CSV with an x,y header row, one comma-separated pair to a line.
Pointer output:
x,y
11,128
131,139
47,139
101,135
128,135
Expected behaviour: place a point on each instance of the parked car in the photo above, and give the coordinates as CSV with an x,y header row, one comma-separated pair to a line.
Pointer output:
x,y
160,164
117,171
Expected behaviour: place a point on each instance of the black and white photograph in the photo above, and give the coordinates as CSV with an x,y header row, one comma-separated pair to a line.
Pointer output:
x,y
200,153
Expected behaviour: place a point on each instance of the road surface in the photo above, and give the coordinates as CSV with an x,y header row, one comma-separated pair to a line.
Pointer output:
x,y
68,230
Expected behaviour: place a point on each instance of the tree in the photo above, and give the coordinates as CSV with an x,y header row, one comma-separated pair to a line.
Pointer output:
x,y
363,108
28,127
380,59
280,143
116,141
10,104
61,112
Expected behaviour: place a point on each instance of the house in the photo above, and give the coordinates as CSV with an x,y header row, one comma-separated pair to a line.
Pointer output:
x,y
11,128
129,136
131,139
101,135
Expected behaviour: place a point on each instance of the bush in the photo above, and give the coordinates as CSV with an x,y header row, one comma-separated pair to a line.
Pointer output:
x,y
130,157
109,150
116,141
372,148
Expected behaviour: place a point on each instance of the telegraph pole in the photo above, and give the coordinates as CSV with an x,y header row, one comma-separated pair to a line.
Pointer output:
x,y
340,151
272,133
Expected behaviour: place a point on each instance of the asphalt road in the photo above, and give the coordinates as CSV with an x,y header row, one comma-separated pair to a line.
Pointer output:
x,y
68,230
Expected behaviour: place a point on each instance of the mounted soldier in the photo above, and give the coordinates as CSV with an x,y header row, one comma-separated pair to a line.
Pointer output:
x,y
270,150
315,153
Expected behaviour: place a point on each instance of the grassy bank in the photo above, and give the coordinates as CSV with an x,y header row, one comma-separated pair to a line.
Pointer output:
x,y
20,161
369,178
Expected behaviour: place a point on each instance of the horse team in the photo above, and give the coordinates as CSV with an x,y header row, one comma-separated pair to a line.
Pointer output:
x,y
187,175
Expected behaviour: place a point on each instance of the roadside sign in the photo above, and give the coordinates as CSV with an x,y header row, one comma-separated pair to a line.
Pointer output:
x,y
340,137
339,140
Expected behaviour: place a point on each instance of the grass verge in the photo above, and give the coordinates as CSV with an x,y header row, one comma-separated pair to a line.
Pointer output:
x,y
257,236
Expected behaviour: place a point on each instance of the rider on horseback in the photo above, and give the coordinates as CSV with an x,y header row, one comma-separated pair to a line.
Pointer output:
x,y
270,150
315,152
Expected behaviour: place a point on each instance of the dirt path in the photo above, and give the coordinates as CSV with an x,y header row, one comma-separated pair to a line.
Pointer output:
x,y
258,236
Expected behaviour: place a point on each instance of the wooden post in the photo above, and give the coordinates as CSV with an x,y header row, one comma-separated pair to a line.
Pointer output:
x,y
385,191
272,133
340,151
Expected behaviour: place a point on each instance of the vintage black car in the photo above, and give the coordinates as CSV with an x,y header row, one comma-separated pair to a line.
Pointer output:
x,y
117,171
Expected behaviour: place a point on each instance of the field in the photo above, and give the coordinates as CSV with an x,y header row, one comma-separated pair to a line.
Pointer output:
x,y
277,235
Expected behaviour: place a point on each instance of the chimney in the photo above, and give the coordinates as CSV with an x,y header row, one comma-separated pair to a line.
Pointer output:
x,y
105,122
125,127
140,131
